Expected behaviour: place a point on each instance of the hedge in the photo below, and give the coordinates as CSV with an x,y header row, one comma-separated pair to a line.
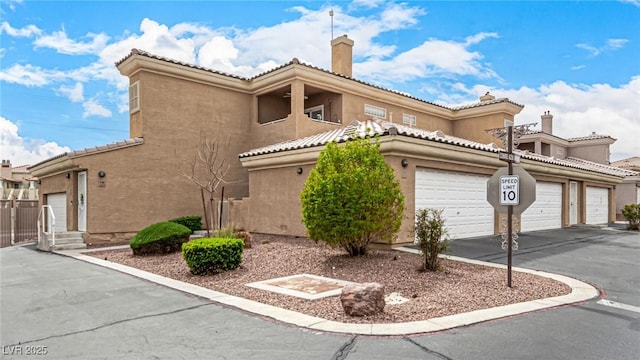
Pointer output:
x,y
193,222
160,238
212,255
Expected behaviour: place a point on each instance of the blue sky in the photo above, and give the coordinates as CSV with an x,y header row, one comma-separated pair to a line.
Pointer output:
x,y
60,90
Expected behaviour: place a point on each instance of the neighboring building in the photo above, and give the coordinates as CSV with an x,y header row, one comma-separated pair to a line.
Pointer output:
x,y
16,183
110,192
594,147
629,191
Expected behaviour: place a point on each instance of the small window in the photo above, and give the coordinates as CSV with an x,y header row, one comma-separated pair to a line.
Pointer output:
x,y
376,111
409,119
134,97
315,113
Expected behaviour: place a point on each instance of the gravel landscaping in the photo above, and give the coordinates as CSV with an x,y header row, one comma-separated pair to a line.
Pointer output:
x,y
459,287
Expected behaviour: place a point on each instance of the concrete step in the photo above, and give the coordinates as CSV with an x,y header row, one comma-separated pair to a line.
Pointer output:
x,y
64,241
68,241
74,246
68,235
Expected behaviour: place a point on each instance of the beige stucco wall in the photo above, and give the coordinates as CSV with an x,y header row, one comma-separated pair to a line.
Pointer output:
x,y
626,193
596,153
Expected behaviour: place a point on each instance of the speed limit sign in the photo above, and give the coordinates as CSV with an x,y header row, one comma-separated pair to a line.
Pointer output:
x,y
509,190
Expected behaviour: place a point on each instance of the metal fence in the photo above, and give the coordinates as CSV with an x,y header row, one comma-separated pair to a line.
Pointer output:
x,y
18,221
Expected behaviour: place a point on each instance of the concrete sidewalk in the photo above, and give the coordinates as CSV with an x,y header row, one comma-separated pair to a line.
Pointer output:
x,y
581,291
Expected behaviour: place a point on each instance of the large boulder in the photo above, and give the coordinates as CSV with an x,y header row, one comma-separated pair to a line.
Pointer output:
x,y
362,299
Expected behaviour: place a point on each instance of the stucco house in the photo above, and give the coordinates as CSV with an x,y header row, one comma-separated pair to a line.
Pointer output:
x,y
628,192
16,183
276,124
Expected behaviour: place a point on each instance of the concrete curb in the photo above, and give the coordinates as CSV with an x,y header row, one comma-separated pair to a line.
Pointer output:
x,y
581,291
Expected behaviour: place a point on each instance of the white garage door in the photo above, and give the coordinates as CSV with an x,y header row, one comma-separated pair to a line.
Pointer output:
x,y
597,205
58,203
463,197
546,212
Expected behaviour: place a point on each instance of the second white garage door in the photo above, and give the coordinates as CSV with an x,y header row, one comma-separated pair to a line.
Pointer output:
x,y
463,197
546,212
597,205
58,203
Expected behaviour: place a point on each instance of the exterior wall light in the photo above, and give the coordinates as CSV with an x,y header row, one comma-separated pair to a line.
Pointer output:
x,y
404,163
299,170
101,174
67,175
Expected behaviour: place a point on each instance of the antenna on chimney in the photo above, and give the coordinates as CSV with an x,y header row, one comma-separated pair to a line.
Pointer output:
x,y
331,14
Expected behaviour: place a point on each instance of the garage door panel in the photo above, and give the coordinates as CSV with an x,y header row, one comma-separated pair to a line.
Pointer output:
x,y
546,212
597,205
461,196
58,203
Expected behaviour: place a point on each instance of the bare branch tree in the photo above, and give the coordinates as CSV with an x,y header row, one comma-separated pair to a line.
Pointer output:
x,y
208,170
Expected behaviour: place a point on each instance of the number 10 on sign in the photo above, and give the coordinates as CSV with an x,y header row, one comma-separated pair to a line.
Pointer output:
x,y
509,190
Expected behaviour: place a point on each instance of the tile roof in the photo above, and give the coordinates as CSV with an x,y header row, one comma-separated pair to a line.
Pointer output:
x,y
173,61
295,61
85,151
361,130
383,128
628,162
593,136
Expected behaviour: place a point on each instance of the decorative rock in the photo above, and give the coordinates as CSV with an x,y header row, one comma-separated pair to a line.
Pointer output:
x,y
362,299
395,298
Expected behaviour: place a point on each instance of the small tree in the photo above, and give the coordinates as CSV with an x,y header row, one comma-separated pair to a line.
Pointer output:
x,y
430,235
631,212
208,170
352,198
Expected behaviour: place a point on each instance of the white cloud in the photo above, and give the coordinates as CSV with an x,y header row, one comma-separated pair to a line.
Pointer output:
x,y
29,75
610,45
93,108
578,110
59,41
632,2
74,93
27,31
432,58
24,151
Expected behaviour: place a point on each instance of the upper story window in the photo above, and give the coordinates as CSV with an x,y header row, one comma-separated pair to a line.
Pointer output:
x,y
409,119
376,111
134,97
315,113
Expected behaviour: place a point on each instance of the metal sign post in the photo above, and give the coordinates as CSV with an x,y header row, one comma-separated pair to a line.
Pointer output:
x,y
508,188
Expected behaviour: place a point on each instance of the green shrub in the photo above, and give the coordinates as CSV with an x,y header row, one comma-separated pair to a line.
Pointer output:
x,y
212,255
352,197
193,222
431,236
631,212
160,238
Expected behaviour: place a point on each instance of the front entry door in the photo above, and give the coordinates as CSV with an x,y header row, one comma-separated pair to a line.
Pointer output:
x,y
82,201
573,203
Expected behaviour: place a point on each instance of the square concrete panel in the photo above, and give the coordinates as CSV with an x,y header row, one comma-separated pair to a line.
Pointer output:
x,y
306,286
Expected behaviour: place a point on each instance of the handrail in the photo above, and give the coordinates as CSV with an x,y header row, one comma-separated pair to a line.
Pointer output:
x,y
47,224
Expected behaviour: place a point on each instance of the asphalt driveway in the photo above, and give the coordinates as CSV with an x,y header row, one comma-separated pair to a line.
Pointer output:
x,y
74,310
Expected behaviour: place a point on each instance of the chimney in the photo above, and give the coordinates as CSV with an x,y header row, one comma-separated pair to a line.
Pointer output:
x,y
342,55
487,97
547,122
5,171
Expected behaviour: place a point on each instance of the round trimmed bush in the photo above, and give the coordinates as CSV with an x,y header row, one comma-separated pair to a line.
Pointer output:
x,y
160,238
212,255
